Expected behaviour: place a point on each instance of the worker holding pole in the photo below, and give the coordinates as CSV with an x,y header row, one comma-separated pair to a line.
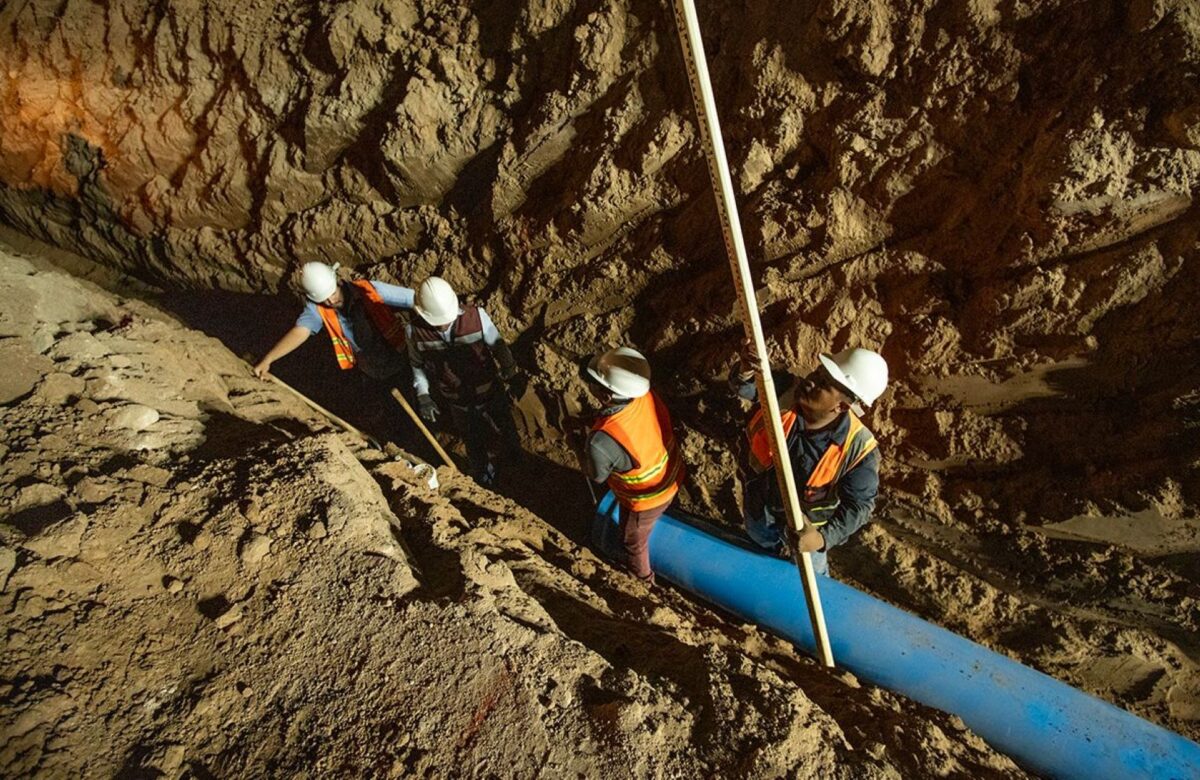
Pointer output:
x,y
830,450
688,27
459,360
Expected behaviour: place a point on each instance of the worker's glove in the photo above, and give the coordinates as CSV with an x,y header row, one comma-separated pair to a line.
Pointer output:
x,y
743,385
790,540
427,408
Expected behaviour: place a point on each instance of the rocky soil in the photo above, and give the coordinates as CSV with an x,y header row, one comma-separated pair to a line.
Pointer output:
x,y
1000,196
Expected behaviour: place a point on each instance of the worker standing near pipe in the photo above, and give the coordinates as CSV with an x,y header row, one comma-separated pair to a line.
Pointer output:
x,y
362,319
631,445
833,454
459,360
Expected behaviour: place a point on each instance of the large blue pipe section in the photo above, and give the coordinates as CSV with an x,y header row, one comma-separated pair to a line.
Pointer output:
x,y
1043,724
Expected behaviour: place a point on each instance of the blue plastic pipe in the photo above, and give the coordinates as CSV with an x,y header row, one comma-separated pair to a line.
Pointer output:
x,y
1045,725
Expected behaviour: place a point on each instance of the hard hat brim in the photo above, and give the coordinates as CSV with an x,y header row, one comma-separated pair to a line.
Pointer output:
x,y
593,371
835,373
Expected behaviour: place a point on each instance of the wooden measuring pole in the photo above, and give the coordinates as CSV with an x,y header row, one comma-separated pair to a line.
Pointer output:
x,y
718,168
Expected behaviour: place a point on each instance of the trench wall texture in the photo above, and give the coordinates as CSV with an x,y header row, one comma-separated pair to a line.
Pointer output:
x,y
976,188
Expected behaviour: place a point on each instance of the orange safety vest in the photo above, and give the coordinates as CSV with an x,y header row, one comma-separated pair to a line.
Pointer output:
x,y
820,498
643,429
386,320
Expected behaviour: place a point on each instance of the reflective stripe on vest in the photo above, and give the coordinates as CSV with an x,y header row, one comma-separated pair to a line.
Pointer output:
x,y
643,429
387,321
820,497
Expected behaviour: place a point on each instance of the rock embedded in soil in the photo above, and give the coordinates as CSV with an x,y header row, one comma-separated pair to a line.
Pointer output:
x,y
8,563
255,548
134,417
228,617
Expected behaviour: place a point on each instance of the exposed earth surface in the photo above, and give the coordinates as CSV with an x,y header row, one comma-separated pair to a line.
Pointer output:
x,y
200,576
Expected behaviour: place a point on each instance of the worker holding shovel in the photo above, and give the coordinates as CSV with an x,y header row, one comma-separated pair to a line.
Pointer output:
x,y
459,360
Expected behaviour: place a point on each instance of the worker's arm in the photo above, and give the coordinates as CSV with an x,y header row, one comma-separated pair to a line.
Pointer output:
x,y
420,380
286,345
497,345
603,456
394,295
490,334
856,493
504,359
500,351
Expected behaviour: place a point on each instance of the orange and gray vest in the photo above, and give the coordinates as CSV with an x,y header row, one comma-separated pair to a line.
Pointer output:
x,y
643,429
386,320
461,369
819,498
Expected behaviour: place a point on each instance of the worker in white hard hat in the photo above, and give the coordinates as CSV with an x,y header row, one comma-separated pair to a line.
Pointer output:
x,y
631,446
362,319
459,360
835,458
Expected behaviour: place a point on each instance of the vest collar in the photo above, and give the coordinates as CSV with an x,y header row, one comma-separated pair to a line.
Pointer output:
x,y
614,407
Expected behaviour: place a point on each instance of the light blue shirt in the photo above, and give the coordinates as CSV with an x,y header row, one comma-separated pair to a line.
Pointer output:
x,y
393,295
420,379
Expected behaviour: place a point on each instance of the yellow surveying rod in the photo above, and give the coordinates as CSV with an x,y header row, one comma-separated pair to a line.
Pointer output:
x,y
718,168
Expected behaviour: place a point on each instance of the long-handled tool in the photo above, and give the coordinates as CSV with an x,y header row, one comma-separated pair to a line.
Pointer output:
x,y
322,410
400,399
591,485
718,168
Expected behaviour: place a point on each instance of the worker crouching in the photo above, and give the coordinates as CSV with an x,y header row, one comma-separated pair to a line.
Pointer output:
x,y
835,458
632,447
458,362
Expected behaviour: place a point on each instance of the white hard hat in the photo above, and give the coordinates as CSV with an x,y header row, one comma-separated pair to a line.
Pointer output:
x,y
623,370
863,372
436,302
319,281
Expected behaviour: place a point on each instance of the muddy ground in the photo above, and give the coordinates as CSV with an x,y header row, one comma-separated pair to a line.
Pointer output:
x,y
1000,197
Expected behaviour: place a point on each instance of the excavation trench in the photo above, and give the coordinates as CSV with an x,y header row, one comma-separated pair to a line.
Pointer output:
x,y
1001,200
